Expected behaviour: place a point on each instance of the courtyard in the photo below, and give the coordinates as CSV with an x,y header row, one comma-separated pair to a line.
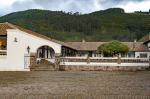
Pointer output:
x,y
75,85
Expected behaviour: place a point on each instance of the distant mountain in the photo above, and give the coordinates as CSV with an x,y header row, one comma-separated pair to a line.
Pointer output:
x,y
102,25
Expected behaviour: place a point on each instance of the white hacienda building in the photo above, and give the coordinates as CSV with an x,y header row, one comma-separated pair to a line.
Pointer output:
x,y
21,48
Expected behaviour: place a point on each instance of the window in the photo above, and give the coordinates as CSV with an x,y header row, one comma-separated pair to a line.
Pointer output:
x,y
143,55
3,42
131,54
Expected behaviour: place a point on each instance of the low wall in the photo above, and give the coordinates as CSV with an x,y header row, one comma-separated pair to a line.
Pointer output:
x,y
102,68
103,63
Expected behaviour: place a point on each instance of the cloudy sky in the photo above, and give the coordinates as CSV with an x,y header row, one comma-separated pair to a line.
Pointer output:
x,y
83,6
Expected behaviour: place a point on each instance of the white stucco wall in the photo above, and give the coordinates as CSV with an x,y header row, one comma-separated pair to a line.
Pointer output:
x,y
137,54
68,63
14,61
148,44
102,64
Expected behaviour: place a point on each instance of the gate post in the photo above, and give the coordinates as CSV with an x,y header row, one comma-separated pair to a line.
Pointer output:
x,y
32,59
57,61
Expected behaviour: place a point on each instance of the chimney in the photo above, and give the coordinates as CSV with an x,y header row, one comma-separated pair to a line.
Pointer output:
x,y
134,43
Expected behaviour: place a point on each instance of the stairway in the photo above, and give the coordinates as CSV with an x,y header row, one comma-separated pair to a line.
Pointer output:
x,y
44,65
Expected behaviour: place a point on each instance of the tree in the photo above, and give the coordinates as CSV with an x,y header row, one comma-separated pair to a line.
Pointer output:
x,y
112,48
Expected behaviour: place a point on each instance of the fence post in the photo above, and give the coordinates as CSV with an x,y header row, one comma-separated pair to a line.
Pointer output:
x,y
32,59
119,60
88,60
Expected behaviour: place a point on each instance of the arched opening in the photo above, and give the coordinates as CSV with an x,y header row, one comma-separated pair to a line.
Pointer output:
x,y
46,52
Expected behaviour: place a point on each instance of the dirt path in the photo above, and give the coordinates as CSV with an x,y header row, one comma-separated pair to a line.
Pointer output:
x,y
75,85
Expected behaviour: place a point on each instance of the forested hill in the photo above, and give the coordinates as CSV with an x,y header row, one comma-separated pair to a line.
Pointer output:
x,y
102,25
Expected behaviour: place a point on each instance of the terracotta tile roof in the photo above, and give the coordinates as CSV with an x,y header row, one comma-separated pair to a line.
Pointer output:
x,y
86,45
3,27
136,46
6,25
145,38
92,46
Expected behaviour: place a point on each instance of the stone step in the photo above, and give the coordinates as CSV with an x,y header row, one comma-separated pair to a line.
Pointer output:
x,y
44,65
46,68
42,69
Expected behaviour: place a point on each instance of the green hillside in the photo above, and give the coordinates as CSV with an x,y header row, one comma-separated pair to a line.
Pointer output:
x,y
103,25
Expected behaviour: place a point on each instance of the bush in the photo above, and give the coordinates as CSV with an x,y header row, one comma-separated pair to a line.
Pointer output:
x,y
113,47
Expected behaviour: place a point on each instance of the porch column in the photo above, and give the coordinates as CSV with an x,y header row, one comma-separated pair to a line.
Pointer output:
x,y
119,59
57,61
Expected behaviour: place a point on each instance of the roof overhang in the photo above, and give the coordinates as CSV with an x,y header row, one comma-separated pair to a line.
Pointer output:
x,y
146,42
12,26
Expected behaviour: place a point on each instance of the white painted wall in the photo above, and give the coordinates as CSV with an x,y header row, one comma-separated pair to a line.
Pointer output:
x,y
66,62
148,44
102,64
14,61
137,54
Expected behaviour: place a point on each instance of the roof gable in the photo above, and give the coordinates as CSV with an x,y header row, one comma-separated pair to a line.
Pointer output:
x,y
145,38
3,28
6,25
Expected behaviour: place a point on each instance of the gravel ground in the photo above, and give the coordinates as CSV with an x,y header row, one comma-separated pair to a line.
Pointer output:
x,y
75,85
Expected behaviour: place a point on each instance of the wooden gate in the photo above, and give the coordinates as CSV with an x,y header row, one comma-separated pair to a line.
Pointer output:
x,y
26,61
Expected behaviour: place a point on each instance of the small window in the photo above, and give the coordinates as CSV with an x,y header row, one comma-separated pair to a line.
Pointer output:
x,y
131,54
143,55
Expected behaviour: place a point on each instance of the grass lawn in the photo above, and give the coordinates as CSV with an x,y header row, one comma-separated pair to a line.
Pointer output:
x,y
75,85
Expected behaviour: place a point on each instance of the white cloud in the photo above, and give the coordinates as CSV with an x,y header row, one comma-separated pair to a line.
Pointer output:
x,y
136,6
5,5
83,6
24,5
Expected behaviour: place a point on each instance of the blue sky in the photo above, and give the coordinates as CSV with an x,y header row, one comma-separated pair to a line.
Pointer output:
x,y
83,6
